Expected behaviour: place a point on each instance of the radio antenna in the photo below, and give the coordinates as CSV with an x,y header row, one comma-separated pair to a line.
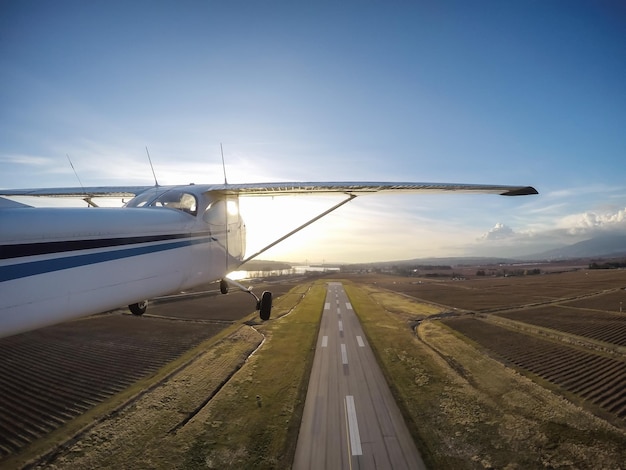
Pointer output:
x,y
74,170
223,164
156,183
87,197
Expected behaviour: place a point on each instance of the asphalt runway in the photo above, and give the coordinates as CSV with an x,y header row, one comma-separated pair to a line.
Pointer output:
x,y
350,420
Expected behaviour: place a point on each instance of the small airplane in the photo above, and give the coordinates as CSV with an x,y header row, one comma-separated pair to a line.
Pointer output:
x,y
62,263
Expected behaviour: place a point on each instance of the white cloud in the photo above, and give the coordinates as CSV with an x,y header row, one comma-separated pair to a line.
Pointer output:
x,y
591,223
498,232
501,240
29,160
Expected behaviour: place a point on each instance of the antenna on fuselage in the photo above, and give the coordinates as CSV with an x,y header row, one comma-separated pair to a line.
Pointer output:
x,y
223,164
156,183
87,198
74,170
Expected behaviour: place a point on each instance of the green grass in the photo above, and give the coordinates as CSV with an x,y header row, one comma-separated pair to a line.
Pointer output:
x,y
253,422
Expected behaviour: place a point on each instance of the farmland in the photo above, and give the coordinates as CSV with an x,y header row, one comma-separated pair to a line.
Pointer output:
x,y
53,375
62,371
93,383
565,330
597,379
486,294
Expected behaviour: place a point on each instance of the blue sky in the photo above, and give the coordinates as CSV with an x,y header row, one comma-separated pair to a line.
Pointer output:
x,y
521,92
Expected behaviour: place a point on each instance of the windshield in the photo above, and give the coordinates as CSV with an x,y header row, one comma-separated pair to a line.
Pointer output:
x,y
172,199
144,199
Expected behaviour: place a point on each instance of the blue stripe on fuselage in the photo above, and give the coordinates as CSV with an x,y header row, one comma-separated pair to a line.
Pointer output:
x,y
32,268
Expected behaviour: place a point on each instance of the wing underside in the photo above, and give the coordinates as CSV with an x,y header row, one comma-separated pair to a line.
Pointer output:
x,y
357,188
283,188
95,191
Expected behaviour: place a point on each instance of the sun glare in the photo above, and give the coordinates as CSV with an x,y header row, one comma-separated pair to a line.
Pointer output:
x,y
237,275
268,219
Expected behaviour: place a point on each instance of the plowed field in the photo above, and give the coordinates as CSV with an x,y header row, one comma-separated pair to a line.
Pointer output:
x,y
54,374
484,294
59,372
599,380
583,304
595,324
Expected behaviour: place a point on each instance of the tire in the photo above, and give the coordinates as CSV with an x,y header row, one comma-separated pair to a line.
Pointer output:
x,y
266,306
139,308
223,287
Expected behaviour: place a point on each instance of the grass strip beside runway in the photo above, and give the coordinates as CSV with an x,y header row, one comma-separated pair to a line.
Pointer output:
x,y
253,422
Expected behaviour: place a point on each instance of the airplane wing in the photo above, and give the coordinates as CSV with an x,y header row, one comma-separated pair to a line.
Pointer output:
x,y
358,188
95,191
284,188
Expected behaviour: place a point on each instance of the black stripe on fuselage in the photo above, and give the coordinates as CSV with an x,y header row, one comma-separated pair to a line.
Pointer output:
x,y
48,248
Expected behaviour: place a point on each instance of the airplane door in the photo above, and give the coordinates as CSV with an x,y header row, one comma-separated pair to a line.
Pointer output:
x,y
227,227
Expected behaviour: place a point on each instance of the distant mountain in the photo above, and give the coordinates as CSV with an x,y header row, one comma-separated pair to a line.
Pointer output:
x,y
450,261
457,261
606,246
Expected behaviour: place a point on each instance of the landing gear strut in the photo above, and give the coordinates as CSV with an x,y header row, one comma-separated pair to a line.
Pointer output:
x,y
263,305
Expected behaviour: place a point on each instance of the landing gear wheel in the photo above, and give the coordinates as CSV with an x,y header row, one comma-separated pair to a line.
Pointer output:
x,y
265,305
224,286
139,308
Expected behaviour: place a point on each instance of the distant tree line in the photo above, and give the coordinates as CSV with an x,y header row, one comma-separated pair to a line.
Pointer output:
x,y
452,275
608,265
509,272
413,270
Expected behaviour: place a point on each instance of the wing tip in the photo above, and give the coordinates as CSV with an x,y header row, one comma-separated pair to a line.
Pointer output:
x,y
524,191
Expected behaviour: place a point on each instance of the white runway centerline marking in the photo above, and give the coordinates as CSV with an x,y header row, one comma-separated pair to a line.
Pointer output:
x,y
340,325
324,341
360,341
344,354
353,427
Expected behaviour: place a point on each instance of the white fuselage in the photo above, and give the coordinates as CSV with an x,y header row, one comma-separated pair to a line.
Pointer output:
x,y
57,264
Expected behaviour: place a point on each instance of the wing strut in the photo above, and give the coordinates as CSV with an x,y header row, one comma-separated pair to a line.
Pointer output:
x,y
306,224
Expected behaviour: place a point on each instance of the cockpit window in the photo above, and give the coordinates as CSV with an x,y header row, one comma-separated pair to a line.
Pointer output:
x,y
144,199
172,199
177,200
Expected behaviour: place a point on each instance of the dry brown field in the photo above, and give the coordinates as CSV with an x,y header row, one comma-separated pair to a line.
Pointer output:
x,y
488,293
584,304
598,324
599,380
58,375
54,374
